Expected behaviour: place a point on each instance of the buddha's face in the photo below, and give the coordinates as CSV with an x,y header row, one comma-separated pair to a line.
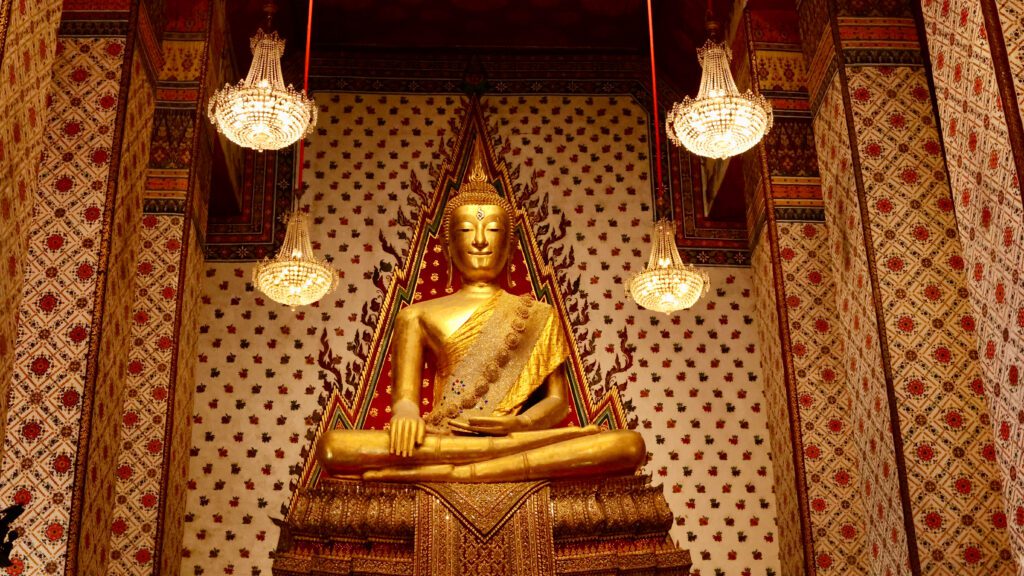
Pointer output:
x,y
478,241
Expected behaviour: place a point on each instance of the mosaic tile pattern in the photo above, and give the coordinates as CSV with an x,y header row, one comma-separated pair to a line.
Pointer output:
x,y
885,537
62,282
791,542
152,469
955,484
258,395
111,384
24,78
985,190
140,463
179,440
1011,17
838,517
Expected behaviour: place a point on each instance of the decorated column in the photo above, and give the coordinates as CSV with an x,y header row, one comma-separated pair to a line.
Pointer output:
x,y
822,519
909,333
148,514
974,48
69,371
28,34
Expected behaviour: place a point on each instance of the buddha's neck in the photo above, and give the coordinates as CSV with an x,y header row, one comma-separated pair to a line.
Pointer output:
x,y
480,288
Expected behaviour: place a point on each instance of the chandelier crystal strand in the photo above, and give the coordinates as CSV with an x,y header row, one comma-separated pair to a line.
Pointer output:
x,y
260,112
295,276
721,122
668,284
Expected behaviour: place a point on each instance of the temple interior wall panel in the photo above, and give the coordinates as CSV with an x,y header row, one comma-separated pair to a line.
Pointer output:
x,y
28,38
79,274
257,387
985,189
779,422
857,322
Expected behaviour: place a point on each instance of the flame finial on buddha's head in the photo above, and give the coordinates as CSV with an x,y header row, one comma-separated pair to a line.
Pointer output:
x,y
476,189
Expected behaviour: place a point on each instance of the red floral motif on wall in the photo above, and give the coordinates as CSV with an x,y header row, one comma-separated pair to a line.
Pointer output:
x,y
28,51
822,395
62,278
111,387
861,354
955,484
139,466
985,192
791,541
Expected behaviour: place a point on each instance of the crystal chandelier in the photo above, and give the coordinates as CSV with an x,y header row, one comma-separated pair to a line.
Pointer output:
x,y
260,112
294,276
667,285
721,122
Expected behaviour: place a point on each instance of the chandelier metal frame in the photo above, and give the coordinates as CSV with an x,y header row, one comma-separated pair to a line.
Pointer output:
x,y
667,284
260,112
295,276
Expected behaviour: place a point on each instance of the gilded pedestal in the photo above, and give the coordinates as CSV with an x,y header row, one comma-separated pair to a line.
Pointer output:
x,y
594,527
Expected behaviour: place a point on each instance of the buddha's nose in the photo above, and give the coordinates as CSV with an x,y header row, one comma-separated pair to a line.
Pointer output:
x,y
479,240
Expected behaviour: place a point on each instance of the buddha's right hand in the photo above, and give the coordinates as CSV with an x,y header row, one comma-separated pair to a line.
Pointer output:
x,y
407,428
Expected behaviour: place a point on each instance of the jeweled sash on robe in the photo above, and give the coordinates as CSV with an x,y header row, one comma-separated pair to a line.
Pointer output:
x,y
497,359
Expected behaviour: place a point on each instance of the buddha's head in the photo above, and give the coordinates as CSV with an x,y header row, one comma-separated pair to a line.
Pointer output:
x,y
478,228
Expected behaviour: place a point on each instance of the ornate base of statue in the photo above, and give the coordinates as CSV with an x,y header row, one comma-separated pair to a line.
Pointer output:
x,y
595,527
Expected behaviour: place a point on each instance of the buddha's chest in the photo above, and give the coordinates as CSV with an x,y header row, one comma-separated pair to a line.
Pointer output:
x,y
440,324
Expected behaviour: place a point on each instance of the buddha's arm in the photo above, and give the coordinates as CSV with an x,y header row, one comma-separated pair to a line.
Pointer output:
x,y
407,428
553,408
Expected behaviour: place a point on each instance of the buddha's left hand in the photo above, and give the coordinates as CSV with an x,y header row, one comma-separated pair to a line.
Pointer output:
x,y
493,425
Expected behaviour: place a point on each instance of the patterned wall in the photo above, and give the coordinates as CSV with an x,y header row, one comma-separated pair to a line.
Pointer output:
x,y
112,383
784,481
891,190
1011,20
152,466
825,518
179,421
985,190
686,379
837,512
928,324
62,307
885,537
28,53
140,464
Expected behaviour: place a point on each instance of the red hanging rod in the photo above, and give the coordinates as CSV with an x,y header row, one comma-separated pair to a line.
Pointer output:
x,y
654,94
305,89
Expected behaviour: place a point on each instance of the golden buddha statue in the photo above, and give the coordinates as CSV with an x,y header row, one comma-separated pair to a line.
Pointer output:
x,y
500,383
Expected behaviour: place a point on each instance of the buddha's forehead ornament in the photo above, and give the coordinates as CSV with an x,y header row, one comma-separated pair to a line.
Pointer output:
x,y
476,190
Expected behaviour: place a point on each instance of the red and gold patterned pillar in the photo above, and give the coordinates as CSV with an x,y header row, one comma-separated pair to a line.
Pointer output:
x,y
910,343
822,519
148,514
68,381
28,35
974,48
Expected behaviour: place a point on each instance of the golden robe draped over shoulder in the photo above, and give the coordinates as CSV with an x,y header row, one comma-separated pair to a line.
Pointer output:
x,y
497,359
